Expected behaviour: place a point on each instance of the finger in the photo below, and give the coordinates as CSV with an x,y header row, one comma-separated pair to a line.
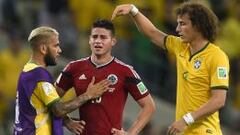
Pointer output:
x,y
169,131
104,83
172,131
101,83
103,88
92,81
114,130
79,131
114,13
82,122
79,126
76,131
113,16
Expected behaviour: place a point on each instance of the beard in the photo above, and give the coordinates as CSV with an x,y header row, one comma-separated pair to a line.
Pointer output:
x,y
49,59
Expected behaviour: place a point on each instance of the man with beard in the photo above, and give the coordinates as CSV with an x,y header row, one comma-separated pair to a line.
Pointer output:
x,y
38,107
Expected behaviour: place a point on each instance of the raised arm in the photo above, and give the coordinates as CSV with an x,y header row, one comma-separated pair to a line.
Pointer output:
x,y
143,24
93,91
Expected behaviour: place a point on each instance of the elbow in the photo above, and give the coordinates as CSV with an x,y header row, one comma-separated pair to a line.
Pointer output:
x,y
152,108
57,110
58,114
221,104
153,32
149,108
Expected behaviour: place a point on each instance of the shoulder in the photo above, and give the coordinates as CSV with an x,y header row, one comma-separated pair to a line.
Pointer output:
x,y
37,74
217,52
77,63
122,64
42,72
216,57
174,44
128,69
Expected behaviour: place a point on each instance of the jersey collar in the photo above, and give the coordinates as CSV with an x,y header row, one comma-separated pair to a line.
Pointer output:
x,y
191,56
100,65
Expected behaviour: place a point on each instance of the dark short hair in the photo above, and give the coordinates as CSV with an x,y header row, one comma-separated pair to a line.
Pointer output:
x,y
104,23
201,17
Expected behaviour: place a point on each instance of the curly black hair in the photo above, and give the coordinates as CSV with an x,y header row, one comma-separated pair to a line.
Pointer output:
x,y
201,17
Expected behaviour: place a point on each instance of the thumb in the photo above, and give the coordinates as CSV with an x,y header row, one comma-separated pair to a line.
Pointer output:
x,y
113,16
92,81
114,130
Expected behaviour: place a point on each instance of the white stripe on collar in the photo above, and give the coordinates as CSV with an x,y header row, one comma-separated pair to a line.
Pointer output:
x,y
101,65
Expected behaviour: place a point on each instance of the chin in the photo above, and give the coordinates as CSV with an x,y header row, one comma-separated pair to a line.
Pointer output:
x,y
185,41
98,53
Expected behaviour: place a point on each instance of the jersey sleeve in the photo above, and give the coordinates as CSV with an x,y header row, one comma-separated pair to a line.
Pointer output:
x,y
173,44
65,79
219,71
134,85
46,92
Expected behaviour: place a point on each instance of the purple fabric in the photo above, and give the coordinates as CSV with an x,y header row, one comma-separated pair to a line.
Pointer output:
x,y
57,125
27,113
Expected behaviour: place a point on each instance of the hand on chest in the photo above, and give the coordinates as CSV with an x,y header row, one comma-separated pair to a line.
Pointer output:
x,y
82,80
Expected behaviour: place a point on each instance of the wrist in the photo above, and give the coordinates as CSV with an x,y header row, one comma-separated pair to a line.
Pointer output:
x,y
66,119
87,96
134,10
188,118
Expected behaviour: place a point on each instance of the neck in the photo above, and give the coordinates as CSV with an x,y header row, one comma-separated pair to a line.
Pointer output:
x,y
197,45
99,60
38,60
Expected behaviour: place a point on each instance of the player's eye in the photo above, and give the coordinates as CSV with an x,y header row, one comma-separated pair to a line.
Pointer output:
x,y
94,36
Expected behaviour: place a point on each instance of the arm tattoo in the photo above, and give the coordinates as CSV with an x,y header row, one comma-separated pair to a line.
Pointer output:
x,y
62,108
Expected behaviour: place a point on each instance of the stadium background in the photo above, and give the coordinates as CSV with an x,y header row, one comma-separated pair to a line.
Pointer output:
x,y
73,18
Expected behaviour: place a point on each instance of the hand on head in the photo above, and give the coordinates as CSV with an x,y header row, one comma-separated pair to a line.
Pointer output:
x,y
121,10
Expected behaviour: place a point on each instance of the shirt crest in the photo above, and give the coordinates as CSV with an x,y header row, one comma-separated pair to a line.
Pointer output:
x,y
112,78
197,64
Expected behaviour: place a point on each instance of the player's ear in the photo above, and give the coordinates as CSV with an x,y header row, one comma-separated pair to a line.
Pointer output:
x,y
43,49
114,41
89,39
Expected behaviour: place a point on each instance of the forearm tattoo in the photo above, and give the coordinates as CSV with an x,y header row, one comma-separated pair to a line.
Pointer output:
x,y
62,108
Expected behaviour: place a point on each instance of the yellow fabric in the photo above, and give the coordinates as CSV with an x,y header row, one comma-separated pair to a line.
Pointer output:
x,y
70,94
197,75
43,95
86,12
10,67
229,37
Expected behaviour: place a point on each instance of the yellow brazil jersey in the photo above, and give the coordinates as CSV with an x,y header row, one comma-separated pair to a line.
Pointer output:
x,y
43,96
197,75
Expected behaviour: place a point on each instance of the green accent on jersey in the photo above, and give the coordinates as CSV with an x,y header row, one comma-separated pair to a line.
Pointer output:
x,y
222,73
142,88
185,75
219,87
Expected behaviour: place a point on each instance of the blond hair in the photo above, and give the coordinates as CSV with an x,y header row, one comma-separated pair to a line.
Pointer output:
x,y
41,35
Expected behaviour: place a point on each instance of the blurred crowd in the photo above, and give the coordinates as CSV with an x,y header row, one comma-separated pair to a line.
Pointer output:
x,y
73,19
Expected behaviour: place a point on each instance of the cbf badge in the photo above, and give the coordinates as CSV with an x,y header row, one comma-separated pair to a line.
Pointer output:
x,y
197,64
112,78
